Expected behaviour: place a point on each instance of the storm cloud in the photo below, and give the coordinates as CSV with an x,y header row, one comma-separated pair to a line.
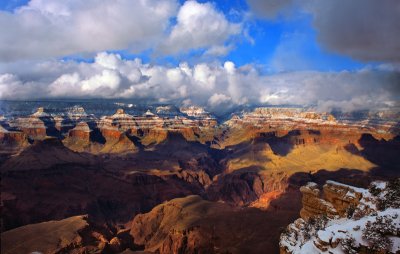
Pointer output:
x,y
366,30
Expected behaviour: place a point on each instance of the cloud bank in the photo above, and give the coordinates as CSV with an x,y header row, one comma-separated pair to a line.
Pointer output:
x,y
367,30
53,28
216,86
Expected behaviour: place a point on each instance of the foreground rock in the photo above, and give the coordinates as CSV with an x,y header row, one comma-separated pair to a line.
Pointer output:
x,y
193,225
346,220
72,235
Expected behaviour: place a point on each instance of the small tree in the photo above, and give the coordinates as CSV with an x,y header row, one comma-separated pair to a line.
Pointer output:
x,y
375,191
376,233
350,211
392,196
349,245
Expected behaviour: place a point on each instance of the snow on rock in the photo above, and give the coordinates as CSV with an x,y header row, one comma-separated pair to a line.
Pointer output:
x,y
369,224
194,111
40,112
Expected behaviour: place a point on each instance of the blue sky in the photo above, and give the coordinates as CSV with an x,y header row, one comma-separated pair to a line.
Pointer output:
x,y
265,37
10,5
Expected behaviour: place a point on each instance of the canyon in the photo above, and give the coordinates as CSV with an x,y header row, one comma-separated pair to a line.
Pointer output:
x,y
170,180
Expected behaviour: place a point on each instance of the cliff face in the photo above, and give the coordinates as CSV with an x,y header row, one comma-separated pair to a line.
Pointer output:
x,y
193,225
313,205
71,235
284,129
346,219
169,228
78,138
12,142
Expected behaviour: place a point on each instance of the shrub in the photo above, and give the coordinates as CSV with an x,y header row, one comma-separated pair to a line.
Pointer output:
x,y
349,245
350,211
375,191
376,233
392,195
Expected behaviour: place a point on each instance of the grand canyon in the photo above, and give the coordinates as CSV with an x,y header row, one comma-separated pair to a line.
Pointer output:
x,y
200,126
177,180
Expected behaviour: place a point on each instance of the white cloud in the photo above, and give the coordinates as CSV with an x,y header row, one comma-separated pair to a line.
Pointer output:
x,y
200,25
110,61
53,28
107,80
217,86
218,50
45,29
229,67
218,99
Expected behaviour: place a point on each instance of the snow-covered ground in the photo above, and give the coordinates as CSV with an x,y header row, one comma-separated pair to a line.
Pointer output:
x,y
376,230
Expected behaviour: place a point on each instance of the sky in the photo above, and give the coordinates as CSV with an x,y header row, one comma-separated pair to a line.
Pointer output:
x,y
331,54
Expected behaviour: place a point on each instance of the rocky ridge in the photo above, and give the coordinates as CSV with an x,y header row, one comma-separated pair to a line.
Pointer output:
x,y
194,123
71,235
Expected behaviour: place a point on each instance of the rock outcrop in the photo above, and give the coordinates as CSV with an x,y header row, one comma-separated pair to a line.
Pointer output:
x,y
336,200
12,142
193,225
43,154
313,205
71,235
347,220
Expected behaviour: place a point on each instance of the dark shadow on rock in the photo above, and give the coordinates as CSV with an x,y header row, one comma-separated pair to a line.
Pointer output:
x,y
385,154
67,124
51,129
97,137
281,145
314,132
351,148
136,141
108,197
191,155
240,187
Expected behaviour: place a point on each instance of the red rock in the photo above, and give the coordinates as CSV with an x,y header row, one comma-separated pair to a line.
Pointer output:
x,y
81,131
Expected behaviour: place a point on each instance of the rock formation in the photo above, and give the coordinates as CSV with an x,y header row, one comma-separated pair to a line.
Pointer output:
x,y
193,225
11,142
71,235
313,205
346,220
78,138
